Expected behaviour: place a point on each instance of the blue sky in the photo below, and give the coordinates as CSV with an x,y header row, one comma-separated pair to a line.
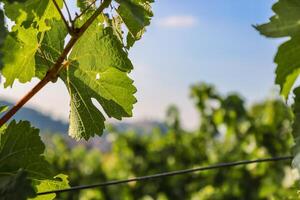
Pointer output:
x,y
188,42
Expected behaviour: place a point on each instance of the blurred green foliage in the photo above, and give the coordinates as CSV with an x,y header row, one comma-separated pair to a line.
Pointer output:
x,y
228,131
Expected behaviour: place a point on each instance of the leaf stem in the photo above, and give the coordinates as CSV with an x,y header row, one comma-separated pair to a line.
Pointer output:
x,y
59,64
68,11
62,16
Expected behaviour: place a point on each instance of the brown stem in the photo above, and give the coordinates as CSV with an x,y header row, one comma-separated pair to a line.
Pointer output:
x,y
21,103
53,72
68,11
62,16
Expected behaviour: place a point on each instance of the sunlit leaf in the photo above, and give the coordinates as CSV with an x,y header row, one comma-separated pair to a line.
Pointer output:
x,y
98,70
32,13
59,182
136,15
285,23
22,147
19,50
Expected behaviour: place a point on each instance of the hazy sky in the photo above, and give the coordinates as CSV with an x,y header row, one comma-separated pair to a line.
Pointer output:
x,y
188,42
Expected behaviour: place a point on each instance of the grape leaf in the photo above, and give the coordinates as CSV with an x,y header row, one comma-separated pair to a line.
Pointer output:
x,y
22,164
98,70
21,147
284,23
59,182
21,160
51,47
116,24
21,45
85,118
288,64
16,186
136,15
100,49
33,13
3,29
25,58
19,50
3,109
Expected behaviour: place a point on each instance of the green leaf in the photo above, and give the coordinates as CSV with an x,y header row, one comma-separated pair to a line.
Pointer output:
x,y
21,45
116,24
288,64
296,129
59,182
51,47
19,50
16,186
33,13
25,57
98,70
21,147
285,22
136,14
100,49
3,29
3,108
85,118
23,165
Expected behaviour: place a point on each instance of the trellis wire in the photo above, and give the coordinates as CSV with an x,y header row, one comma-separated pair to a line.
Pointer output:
x,y
167,174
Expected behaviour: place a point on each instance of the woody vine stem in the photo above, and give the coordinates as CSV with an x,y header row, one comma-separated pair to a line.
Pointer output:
x,y
60,63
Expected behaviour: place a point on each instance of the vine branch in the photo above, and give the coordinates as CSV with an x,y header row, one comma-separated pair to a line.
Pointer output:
x,y
58,65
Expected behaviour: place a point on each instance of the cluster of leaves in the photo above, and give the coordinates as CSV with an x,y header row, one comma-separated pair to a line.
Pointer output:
x,y
22,164
96,67
92,59
91,55
285,23
228,131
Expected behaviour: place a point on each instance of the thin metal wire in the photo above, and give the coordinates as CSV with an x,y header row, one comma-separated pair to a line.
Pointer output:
x,y
167,174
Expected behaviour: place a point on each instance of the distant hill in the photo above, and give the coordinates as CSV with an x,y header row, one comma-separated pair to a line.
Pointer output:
x,y
140,127
47,124
44,122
